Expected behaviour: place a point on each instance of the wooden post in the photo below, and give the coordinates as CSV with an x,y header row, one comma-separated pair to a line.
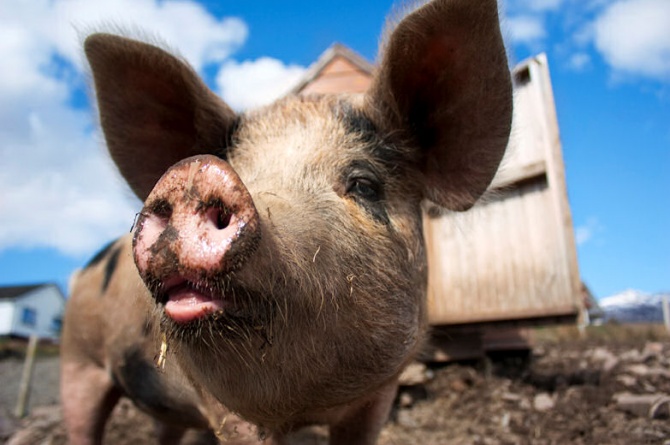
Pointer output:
x,y
666,312
26,378
583,322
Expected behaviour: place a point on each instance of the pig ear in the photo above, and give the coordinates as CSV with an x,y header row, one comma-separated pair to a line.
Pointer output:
x,y
445,83
154,109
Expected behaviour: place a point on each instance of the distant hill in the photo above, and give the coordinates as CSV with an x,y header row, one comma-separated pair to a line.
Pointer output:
x,y
633,306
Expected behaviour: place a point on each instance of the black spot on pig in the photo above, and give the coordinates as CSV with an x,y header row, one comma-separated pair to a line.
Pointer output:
x,y
110,267
100,255
139,379
357,122
380,146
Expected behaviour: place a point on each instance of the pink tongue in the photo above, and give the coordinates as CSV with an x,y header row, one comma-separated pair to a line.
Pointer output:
x,y
187,304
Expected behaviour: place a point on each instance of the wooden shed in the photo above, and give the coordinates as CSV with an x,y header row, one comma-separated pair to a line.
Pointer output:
x,y
511,260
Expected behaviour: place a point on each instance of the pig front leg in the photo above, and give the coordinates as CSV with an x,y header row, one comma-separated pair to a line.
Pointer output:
x,y
362,425
88,397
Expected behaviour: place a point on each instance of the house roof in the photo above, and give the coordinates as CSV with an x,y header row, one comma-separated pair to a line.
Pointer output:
x,y
12,292
336,51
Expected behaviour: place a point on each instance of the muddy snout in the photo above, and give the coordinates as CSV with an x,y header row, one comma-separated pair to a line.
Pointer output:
x,y
198,224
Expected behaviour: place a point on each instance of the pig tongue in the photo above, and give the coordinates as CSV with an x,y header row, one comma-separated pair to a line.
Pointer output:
x,y
186,304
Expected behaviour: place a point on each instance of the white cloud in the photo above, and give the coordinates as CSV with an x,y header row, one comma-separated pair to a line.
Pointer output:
x,y
634,37
579,61
583,34
525,20
542,5
254,83
586,232
57,187
525,29
55,24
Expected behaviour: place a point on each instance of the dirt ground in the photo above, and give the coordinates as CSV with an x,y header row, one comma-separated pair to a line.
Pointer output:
x,y
604,390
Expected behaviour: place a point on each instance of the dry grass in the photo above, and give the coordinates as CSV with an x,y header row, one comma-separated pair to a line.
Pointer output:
x,y
16,347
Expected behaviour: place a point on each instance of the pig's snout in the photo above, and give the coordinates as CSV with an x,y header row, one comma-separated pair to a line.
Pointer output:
x,y
199,223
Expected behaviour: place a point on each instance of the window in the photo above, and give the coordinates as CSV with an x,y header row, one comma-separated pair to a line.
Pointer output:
x,y
56,325
29,316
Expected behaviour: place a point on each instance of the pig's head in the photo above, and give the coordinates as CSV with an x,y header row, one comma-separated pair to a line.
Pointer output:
x,y
284,246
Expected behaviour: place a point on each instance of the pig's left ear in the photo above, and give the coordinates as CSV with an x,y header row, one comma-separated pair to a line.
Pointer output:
x,y
154,109
445,83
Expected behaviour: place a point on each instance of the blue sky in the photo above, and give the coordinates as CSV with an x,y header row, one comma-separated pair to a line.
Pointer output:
x,y
60,198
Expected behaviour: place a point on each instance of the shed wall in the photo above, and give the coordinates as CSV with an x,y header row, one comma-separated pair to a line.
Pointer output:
x,y
6,315
512,256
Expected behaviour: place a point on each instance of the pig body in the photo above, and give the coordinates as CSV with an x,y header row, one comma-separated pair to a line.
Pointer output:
x,y
283,247
109,347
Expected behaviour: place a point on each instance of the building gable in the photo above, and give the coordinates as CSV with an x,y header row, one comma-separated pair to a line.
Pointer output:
x,y
338,70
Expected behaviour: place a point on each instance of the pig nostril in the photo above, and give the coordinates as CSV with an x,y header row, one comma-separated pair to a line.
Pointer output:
x,y
217,212
222,219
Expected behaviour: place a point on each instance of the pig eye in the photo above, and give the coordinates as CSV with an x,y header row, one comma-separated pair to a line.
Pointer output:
x,y
364,188
368,193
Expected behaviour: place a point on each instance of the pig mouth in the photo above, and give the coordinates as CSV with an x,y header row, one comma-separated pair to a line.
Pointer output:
x,y
186,301
192,308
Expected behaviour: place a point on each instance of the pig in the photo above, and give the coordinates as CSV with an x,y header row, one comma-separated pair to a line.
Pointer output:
x,y
109,349
282,248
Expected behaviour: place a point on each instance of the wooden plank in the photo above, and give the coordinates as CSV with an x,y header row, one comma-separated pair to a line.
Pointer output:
x,y
500,258
537,241
519,318
556,176
519,173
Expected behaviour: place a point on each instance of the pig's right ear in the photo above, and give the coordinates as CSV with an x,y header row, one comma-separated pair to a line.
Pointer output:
x,y
154,109
444,84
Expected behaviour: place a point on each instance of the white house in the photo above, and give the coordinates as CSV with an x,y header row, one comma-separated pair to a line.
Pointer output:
x,y
35,309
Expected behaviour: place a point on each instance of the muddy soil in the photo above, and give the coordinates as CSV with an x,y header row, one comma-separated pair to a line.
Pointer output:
x,y
568,392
